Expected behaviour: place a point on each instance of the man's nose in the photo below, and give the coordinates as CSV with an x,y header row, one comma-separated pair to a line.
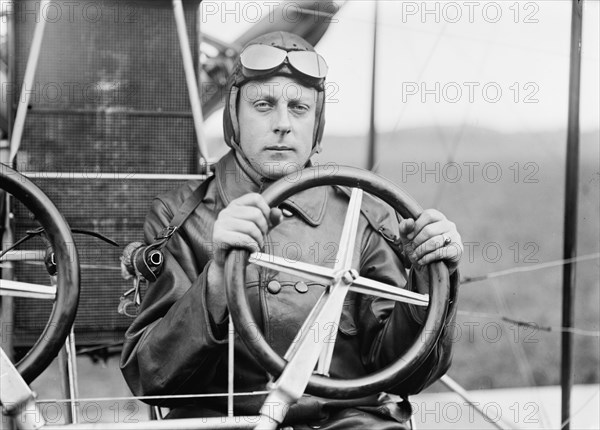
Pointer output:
x,y
281,121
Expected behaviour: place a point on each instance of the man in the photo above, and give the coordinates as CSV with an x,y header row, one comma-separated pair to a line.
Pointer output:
x,y
273,121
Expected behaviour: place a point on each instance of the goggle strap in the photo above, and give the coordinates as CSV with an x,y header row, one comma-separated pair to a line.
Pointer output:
x,y
319,123
233,95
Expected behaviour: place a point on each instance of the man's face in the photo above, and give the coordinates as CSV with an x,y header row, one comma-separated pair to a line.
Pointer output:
x,y
277,121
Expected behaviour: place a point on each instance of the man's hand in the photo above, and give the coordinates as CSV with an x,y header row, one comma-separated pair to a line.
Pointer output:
x,y
243,223
431,237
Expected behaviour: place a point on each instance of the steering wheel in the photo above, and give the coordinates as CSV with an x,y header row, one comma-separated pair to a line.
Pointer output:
x,y
296,371
66,293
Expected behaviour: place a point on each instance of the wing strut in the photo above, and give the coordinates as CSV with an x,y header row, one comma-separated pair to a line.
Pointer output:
x,y
570,213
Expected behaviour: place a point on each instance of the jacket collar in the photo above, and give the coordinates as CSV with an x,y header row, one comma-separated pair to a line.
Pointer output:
x,y
235,178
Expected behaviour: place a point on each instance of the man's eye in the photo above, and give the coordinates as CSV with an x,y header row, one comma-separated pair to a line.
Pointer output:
x,y
262,105
300,108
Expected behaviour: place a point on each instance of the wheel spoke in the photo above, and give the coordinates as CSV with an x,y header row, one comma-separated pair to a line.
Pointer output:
x,y
346,250
308,325
376,288
295,268
343,264
23,289
304,354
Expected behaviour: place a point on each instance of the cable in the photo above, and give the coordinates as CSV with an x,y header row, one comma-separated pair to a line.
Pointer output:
x,y
562,425
170,396
470,279
518,350
423,69
83,266
454,145
506,319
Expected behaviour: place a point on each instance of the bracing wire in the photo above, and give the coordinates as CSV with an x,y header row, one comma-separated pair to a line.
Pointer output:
x,y
463,281
556,263
509,320
169,396
421,72
518,350
578,411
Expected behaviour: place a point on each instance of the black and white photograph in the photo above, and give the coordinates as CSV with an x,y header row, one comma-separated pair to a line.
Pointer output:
x,y
299,214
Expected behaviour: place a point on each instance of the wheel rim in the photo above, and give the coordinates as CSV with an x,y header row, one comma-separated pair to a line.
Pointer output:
x,y
64,310
320,385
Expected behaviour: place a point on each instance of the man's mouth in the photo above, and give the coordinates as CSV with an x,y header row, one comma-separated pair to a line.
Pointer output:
x,y
279,148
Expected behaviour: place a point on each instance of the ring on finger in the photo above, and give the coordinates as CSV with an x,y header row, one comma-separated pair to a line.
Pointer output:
x,y
446,240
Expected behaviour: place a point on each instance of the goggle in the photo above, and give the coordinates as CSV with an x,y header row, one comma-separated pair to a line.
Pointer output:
x,y
265,57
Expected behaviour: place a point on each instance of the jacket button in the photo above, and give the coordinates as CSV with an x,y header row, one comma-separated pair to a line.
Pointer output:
x,y
274,287
301,287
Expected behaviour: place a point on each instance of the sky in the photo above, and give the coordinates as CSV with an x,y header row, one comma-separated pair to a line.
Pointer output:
x,y
501,65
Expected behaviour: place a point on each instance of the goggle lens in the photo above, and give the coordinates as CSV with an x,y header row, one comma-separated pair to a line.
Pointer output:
x,y
309,63
264,57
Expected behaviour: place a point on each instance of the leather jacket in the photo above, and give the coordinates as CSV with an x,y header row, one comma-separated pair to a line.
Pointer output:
x,y
175,346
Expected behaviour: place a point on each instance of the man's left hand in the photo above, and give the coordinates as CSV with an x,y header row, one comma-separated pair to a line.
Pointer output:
x,y
431,237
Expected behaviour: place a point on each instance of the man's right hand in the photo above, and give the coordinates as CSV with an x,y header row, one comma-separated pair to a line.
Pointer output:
x,y
242,224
